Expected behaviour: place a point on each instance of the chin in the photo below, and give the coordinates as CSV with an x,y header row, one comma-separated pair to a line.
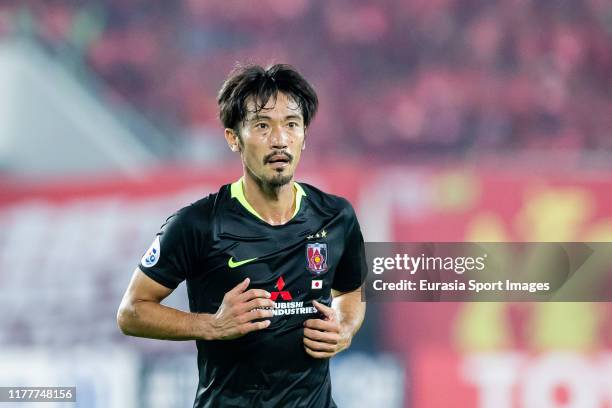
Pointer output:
x,y
279,179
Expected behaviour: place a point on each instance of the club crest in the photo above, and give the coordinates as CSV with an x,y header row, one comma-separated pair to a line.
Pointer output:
x,y
316,257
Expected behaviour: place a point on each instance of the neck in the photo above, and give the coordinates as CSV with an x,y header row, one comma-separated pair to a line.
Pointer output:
x,y
275,204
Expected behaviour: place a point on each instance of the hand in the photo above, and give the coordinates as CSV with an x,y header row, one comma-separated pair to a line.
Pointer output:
x,y
238,310
323,338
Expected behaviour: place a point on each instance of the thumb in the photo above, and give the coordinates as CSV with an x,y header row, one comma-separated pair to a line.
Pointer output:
x,y
327,311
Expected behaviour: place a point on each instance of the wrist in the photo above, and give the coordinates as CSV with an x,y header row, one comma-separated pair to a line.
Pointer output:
x,y
346,336
206,327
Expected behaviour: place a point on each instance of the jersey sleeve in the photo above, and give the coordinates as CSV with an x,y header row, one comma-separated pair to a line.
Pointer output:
x,y
352,268
170,258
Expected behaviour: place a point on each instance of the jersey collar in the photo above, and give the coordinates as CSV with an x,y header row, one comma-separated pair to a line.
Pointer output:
x,y
237,192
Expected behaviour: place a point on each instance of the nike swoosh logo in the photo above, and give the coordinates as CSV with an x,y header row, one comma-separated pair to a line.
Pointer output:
x,y
234,264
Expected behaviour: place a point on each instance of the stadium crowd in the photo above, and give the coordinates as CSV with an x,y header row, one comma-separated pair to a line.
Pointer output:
x,y
422,76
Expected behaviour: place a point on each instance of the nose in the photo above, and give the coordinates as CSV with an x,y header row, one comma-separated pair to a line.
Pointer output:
x,y
278,138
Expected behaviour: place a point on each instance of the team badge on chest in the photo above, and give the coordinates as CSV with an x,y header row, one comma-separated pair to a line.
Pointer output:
x,y
316,257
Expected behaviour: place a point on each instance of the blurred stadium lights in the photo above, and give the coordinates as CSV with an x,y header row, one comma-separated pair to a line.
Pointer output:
x,y
51,126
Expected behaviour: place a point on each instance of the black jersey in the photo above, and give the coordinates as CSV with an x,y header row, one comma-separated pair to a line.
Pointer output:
x,y
217,242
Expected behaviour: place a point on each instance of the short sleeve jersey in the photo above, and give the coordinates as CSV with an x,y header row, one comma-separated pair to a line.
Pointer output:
x,y
217,242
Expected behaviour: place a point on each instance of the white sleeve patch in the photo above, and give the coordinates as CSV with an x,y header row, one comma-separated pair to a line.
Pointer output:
x,y
151,257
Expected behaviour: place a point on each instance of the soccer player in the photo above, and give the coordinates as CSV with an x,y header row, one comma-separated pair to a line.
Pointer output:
x,y
273,268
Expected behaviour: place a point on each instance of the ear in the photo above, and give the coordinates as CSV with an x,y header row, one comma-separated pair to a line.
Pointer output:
x,y
232,140
304,141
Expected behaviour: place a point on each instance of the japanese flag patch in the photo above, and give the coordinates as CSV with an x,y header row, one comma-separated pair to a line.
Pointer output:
x,y
317,284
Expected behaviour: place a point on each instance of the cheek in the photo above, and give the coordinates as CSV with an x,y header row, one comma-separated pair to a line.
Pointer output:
x,y
252,154
297,154
298,141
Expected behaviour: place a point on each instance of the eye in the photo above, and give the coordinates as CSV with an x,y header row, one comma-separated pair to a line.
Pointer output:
x,y
293,124
261,125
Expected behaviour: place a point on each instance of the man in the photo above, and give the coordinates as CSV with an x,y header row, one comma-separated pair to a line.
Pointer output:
x,y
273,268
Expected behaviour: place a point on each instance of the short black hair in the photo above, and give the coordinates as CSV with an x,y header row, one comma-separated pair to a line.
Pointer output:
x,y
261,84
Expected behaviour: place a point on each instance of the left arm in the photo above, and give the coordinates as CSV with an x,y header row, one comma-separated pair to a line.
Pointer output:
x,y
324,338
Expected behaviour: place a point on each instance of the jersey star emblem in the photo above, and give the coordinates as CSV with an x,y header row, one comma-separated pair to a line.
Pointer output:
x,y
321,234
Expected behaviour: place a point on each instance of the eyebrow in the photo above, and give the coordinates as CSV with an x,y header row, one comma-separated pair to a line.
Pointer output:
x,y
259,117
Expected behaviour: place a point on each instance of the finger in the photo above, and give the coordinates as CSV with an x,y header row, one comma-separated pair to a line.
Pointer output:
x,y
253,294
327,311
239,288
318,346
317,354
254,326
254,314
256,304
323,325
316,335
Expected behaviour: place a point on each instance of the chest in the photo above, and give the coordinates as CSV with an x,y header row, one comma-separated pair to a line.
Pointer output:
x,y
295,264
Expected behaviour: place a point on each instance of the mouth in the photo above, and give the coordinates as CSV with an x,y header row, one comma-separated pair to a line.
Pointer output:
x,y
278,161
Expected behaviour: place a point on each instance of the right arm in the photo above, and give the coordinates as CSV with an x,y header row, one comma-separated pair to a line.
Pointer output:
x,y
141,313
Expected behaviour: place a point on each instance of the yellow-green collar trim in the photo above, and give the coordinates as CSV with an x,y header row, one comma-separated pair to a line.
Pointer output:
x,y
237,192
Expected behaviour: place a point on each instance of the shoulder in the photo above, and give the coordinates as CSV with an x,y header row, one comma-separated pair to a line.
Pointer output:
x,y
327,201
200,212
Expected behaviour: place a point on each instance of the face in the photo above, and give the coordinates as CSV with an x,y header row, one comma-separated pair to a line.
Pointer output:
x,y
271,140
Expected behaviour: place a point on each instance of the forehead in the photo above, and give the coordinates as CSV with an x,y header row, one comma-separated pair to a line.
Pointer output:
x,y
280,105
